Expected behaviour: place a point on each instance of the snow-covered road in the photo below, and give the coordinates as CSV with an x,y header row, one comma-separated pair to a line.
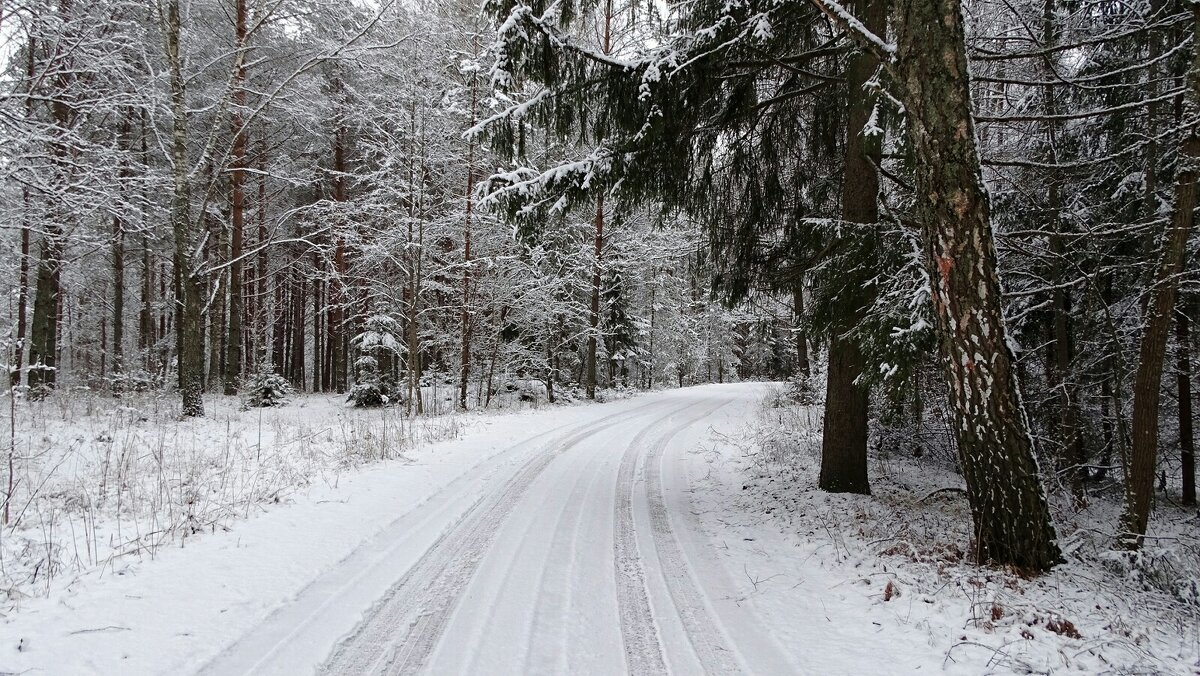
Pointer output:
x,y
625,537
573,550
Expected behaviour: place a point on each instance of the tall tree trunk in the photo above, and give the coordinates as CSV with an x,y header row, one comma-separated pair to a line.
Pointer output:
x,y
298,333
23,269
1008,506
594,310
1183,381
43,339
339,298
190,300
1072,459
803,366
237,199
598,225
47,304
118,300
1157,317
146,339
263,290
146,335
22,300
216,306
844,439
317,325
465,328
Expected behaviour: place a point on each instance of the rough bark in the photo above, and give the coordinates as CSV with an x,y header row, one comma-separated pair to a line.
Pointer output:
x,y
237,199
190,299
1008,506
1183,382
847,403
803,365
118,299
465,328
23,266
43,334
594,310
338,298
1147,387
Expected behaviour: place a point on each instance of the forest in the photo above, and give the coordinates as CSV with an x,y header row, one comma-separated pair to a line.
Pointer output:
x,y
965,229
924,269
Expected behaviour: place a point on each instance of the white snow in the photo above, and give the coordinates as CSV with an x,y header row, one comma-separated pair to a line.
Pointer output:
x,y
579,539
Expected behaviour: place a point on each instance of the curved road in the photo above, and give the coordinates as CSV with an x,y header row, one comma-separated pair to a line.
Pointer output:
x,y
573,551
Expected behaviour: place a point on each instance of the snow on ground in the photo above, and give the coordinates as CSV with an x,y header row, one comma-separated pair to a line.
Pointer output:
x,y
668,532
886,576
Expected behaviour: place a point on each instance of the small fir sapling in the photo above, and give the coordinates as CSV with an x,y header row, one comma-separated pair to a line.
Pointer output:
x,y
368,390
373,370
266,389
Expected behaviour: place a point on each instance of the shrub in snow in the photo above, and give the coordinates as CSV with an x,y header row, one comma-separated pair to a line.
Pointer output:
x,y
382,352
367,395
1156,569
265,388
805,390
369,391
133,381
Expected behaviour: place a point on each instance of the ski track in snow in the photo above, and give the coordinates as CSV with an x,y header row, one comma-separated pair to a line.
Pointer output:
x,y
555,555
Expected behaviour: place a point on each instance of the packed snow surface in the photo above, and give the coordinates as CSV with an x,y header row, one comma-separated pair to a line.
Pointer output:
x,y
601,539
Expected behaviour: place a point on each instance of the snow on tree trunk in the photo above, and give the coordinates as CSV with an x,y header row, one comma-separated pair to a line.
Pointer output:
x,y
190,330
1008,505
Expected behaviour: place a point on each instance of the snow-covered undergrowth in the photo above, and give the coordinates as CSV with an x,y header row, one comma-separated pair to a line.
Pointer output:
x,y
907,546
98,478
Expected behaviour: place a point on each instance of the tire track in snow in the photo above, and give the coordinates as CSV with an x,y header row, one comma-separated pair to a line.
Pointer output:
x,y
291,629
553,579
702,631
643,647
399,633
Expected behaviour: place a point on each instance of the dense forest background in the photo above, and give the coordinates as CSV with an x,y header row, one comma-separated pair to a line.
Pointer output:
x,y
302,169
965,230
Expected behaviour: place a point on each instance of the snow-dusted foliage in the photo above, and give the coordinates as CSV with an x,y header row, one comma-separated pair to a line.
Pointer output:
x,y
266,388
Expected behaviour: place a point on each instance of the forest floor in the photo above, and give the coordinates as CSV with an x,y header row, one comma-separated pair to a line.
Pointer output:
x,y
676,531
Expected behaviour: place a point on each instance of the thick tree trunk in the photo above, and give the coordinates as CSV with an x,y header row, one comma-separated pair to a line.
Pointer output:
x,y
1147,388
1008,505
844,439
